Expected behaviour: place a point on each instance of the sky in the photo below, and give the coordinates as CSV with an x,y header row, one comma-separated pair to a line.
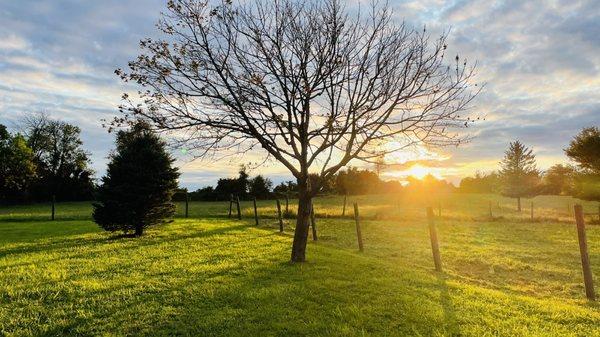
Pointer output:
x,y
539,60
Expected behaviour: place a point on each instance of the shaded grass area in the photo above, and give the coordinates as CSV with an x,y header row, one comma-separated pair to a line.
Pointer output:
x,y
217,277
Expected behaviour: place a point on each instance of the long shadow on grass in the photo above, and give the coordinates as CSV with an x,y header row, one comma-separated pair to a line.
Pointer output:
x,y
43,218
448,306
77,241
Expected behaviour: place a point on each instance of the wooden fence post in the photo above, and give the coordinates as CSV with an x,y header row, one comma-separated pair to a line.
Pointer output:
x,y
230,204
239,211
344,209
491,215
287,205
358,232
187,200
53,207
585,259
532,211
279,216
255,212
434,240
313,222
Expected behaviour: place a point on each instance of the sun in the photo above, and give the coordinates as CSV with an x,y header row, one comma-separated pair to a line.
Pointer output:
x,y
418,171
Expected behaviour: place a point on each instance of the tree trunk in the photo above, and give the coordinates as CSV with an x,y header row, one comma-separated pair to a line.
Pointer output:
x,y
519,204
302,223
139,230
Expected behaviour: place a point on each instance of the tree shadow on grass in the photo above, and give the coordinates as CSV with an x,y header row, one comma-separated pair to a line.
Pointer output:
x,y
81,242
28,218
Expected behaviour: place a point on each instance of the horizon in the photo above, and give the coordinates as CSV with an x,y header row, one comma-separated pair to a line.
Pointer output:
x,y
539,63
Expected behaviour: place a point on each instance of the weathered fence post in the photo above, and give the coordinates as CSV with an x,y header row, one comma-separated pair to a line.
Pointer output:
x,y
344,208
287,205
532,211
187,200
230,204
239,211
585,259
279,216
358,232
53,207
255,212
434,240
491,215
313,222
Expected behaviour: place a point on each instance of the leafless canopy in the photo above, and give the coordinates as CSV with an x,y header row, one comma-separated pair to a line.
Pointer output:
x,y
313,83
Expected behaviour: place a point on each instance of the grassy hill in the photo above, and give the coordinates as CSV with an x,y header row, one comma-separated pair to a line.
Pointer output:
x,y
208,275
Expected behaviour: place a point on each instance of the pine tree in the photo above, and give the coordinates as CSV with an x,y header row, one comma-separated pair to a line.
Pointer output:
x,y
520,177
139,183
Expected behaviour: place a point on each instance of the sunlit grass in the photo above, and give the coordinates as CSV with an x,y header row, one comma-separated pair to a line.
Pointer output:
x,y
208,275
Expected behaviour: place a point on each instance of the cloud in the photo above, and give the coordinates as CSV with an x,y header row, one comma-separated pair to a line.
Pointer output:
x,y
12,42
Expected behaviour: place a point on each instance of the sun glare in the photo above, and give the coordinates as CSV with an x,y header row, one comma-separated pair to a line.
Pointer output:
x,y
418,171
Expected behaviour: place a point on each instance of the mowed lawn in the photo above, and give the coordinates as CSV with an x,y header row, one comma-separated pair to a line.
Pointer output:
x,y
208,275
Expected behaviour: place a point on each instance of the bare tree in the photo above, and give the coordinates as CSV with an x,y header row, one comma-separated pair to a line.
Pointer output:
x,y
312,83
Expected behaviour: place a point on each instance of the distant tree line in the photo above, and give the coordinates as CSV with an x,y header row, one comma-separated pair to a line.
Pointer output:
x,y
352,181
243,187
45,159
559,179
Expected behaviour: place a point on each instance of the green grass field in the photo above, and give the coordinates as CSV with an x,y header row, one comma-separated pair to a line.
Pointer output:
x,y
212,276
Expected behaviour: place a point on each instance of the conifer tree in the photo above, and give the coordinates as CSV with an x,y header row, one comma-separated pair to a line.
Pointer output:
x,y
520,177
139,183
